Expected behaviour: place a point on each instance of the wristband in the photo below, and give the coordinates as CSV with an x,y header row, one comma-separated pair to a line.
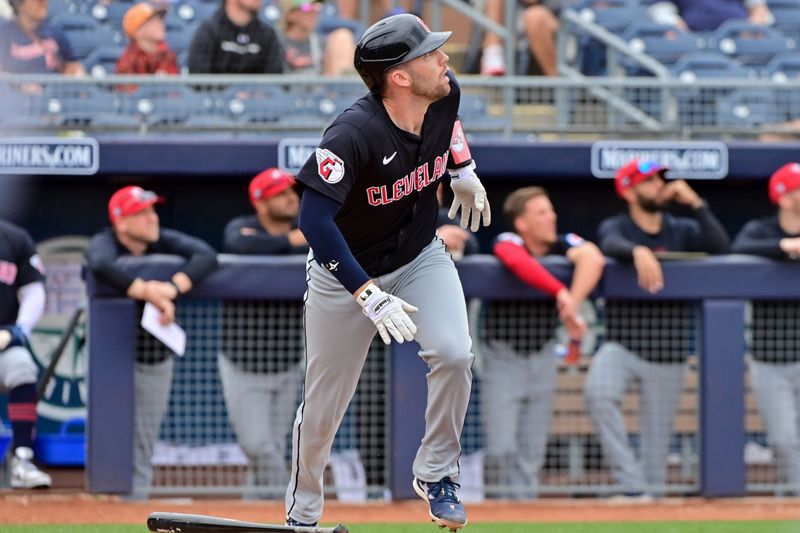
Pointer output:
x,y
366,293
177,289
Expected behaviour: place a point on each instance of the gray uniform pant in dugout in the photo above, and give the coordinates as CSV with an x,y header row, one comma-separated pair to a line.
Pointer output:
x,y
777,390
517,392
338,336
260,409
612,370
152,385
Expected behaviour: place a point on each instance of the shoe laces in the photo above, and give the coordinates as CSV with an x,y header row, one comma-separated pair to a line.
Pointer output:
x,y
444,490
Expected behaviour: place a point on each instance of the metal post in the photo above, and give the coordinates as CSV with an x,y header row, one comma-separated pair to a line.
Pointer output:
x,y
112,341
407,407
722,430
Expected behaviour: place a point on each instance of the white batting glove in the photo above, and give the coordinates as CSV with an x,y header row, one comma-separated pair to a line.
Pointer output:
x,y
470,196
388,313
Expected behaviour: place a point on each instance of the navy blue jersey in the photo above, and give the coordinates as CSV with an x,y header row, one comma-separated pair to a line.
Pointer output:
x,y
619,235
761,237
19,266
19,53
385,179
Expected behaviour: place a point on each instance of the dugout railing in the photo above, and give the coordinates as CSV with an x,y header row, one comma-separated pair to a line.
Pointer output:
x,y
704,303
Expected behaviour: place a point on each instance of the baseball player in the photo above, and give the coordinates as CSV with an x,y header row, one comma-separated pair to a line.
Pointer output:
x,y
518,373
775,365
369,212
641,346
136,231
259,364
22,300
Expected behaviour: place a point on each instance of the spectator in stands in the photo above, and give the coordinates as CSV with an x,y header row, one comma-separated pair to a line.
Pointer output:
x,y
148,51
259,365
775,366
639,346
235,41
5,10
306,49
458,241
30,45
518,371
136,231
22,301
540,21
708,15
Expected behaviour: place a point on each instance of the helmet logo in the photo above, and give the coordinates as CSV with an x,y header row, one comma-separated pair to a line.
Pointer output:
x,y
329,166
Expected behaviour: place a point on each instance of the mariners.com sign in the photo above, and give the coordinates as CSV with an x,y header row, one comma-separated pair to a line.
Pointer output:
x,y
687,159
48,156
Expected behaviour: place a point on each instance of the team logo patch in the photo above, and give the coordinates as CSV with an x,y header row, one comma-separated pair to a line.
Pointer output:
x,y
36,262
573,239
330,166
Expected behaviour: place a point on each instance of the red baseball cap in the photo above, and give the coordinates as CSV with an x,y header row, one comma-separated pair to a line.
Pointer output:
x,y
130,200
635,172
269,183
785,179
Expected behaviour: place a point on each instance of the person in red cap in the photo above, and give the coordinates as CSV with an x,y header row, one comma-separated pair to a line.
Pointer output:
x,y
775,367
135,231
259,366
273,228
646,341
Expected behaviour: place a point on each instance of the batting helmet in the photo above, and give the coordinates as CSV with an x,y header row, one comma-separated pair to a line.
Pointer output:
x,y
392,41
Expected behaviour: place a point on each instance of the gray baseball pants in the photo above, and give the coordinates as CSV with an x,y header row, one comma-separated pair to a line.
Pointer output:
x,y
517,396
338,336
260,409
612,370
151,385
777,390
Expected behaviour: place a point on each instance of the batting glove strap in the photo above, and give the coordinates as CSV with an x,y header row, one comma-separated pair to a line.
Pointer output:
x,y
389,314
469,196
11,336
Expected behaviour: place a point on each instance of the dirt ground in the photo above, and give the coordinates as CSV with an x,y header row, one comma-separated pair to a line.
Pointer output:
x,y
54,508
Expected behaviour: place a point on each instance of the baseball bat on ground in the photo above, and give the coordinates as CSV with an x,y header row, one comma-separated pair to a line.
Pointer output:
x,y
195,523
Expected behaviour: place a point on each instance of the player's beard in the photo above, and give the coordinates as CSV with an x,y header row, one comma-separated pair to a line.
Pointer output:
x,y
427,88
649,205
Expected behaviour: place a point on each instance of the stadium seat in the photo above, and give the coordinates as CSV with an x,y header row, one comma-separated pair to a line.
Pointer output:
x,y
102,61
195,12
783,68
85,34
709,65
179,33
614,16
662,42
265,106
80,104
747,109
787,17
111,13
698,106
169,104
748,43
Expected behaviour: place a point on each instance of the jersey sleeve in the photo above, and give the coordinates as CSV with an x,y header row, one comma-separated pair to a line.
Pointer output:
x,y
510,250
29,266
566,241
337,162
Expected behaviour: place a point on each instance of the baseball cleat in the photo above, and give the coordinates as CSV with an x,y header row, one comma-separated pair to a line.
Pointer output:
x,y
293,522
24,474
444,507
